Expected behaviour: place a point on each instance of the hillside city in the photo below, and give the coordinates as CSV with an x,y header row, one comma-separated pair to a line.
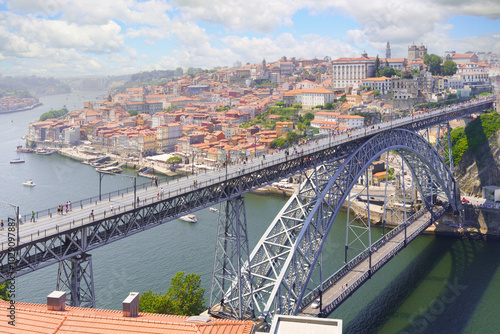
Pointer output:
x,y
250,110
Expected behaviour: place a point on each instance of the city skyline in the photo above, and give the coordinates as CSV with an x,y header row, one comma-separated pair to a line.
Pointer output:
x,y
67,37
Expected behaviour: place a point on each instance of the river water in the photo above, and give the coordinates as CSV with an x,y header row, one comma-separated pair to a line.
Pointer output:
x,y
435,285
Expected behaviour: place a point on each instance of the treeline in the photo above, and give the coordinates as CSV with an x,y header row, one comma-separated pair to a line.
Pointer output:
x,y
20,94
474,135
34,84
53,114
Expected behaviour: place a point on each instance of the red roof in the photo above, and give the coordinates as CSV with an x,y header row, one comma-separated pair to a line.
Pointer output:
x,y
35,318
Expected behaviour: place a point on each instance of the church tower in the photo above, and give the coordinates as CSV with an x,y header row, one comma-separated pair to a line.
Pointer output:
x,y
388,50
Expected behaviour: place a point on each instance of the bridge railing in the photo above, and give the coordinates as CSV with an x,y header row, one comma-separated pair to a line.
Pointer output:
x,y
329,282
377,265
307,149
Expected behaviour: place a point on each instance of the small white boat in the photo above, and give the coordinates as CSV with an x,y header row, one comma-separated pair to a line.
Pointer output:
x,y
29,183
17,161
189,218
214,210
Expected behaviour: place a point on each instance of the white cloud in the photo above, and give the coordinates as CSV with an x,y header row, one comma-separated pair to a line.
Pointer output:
x,y
307,46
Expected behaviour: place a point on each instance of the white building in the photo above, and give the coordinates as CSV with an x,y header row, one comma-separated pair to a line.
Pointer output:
x,y
317,96
469,77
349,71
351,121
167,136
382,84
72,135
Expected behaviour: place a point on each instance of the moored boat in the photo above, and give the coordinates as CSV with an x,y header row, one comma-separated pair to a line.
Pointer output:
x,y
17,161
189,218
109,170
213,209
24,149
29,183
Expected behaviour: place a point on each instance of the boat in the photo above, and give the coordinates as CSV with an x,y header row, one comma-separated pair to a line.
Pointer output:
x,y
145,172
29,183
45,151
109,170
24,149
189,218
17,161
214,210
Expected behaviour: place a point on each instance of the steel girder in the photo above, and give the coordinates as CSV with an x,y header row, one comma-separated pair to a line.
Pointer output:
x,y
283,261
80,237
231,252
76,276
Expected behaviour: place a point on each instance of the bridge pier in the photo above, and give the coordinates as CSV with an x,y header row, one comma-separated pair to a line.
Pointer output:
x,y
75,275
231,295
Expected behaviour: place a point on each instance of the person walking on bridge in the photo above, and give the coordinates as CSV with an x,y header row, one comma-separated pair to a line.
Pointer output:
x,y
91,216
32,216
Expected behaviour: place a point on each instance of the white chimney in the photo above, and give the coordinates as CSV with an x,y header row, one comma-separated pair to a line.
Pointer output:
x,y
131,305
56,301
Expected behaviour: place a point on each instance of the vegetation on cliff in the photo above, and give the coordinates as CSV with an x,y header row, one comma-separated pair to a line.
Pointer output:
x,y
474,135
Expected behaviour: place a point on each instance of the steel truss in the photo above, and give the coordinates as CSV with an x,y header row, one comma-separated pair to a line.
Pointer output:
x,y
231,252
76,276
284,259
50,249
443,143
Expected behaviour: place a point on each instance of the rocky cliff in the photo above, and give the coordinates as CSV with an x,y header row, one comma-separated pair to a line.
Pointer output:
x,y
480,168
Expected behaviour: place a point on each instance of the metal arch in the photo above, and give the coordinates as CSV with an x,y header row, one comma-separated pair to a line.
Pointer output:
x,y
283,261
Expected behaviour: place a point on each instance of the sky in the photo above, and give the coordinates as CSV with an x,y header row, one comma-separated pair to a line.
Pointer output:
x,y
102,37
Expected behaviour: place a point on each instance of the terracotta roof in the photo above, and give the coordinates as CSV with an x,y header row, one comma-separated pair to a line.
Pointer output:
x,y
35,318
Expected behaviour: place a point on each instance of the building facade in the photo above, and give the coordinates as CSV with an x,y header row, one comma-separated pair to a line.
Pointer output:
x,y
350,71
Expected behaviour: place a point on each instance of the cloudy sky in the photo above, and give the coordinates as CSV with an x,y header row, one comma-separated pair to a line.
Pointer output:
x,y
77,37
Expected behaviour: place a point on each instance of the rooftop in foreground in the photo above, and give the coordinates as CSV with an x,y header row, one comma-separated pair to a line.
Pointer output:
x,y
36,318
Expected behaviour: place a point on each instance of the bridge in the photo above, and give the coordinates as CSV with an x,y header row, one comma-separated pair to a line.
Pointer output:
x,y
275,277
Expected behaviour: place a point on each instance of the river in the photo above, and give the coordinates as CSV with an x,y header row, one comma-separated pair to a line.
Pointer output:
x,y
435,285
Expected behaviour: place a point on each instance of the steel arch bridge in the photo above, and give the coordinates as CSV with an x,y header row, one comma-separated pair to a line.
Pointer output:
x,y
283,261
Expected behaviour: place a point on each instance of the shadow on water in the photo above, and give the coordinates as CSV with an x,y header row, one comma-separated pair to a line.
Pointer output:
x,y
390,299
452,310
448,311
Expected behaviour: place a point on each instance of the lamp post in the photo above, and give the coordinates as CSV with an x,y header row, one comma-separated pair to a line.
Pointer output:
x,y
16,212
135,188
227,162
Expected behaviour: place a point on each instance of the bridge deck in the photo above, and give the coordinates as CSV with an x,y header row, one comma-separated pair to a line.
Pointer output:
x,y
47,239
346,285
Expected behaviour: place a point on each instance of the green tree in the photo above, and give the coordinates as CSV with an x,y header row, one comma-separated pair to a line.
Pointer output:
x,y
433,63
184,297
309,116
187,294
377,66
329,106
179,72
174,160
278,142
376,93
449,67
4,293
279,104
297,106
292,137
151,302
